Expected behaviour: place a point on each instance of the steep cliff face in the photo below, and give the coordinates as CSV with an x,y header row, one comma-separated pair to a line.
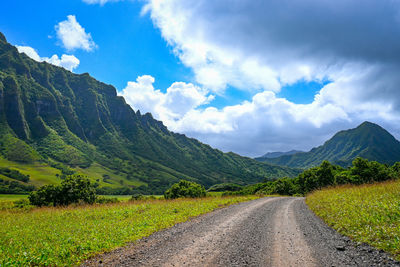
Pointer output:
x,y
59,116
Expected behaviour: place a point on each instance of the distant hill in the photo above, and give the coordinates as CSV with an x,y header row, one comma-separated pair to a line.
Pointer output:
x,y
271,155
54,122
368,140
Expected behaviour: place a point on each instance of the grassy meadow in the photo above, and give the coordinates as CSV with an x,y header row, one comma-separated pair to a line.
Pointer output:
x,y
366,213
67,236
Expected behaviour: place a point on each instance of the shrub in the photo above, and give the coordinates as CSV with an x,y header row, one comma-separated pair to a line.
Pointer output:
x,y
74,189
185,189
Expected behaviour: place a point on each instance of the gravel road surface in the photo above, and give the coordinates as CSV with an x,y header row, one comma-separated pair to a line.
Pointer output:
x,y
278,232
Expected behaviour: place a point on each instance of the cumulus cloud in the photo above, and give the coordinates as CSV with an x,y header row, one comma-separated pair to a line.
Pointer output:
x,y
261,46
73,36
170,106
69,62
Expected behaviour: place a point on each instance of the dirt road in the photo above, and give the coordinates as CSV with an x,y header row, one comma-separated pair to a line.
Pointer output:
x,y
264,232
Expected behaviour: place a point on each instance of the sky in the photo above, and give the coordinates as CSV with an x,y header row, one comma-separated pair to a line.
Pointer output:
x,y
244,76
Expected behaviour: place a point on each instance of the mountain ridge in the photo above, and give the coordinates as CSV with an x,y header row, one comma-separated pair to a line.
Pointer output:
x,y
368,140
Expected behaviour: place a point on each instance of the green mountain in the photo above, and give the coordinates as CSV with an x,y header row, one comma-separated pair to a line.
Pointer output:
x,y
54,122
368,141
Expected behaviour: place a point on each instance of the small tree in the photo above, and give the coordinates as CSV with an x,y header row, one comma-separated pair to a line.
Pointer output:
x,y
76,188
185,189
73,189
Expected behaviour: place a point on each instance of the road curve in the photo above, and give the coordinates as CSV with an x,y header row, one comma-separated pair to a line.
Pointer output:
x,y
278,232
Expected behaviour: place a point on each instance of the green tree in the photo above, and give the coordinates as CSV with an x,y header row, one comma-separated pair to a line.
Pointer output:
x,y
73,189
185,189
396,170
365,171
325,174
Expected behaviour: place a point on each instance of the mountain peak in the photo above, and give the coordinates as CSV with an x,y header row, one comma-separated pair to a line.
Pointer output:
x,y
369,125
368,140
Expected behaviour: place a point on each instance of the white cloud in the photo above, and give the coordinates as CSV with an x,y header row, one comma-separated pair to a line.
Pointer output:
x,y
170,106
100,2
73,35
69,62
208,43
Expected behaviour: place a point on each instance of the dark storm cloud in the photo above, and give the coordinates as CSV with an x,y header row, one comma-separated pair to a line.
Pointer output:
x,y
352,29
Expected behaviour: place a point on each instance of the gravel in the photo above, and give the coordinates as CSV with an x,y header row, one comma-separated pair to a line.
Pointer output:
x,y
278,231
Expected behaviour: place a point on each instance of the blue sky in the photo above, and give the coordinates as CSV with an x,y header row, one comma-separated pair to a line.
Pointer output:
x,y
256,77
128,44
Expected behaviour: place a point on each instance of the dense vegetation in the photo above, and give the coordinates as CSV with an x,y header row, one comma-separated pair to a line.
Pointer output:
x,y
185,189
362,171
73,123
367,213
42,237
368,141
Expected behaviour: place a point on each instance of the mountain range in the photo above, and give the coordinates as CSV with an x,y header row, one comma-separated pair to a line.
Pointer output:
x,y
54,122
368,141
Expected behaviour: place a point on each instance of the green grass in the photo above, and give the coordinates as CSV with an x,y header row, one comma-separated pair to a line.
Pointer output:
x,y
10,197
40,174
368,213
96,172
67,236
7,201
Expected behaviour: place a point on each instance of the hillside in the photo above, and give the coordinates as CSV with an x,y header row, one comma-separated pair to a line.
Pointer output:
x,y
368,141
61,122
271,155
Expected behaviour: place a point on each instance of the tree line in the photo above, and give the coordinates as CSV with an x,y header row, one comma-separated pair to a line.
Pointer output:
x,y
362,171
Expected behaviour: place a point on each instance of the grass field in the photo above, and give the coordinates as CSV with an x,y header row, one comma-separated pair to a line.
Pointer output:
x,y
42,173
368,213
10,197
7,201
96,172
66,236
